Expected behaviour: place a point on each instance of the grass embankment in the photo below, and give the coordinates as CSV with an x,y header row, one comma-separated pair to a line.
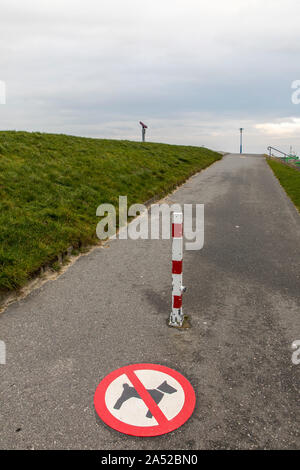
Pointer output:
x,y
51,185
289,179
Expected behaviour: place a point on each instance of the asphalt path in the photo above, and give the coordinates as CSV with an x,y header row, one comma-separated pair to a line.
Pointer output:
x,y
109,309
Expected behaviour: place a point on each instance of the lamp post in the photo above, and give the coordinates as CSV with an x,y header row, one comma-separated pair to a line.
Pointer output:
x,y
241,140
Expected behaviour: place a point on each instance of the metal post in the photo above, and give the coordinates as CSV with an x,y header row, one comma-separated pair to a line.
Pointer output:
x,y
241,140
144,127
176,317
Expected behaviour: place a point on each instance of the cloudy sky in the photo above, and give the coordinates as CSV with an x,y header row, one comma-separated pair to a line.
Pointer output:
x,y
195,71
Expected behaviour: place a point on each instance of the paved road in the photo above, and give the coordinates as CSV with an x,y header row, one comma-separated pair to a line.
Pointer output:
x,y
109,310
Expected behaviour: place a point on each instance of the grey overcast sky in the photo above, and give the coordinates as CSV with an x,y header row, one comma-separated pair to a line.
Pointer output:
x,y
194,71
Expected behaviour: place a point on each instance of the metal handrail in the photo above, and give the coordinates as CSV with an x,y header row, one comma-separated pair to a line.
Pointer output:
x,y
279,151
287,156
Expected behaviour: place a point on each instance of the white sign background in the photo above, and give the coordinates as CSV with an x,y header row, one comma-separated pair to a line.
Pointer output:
x,y
134,410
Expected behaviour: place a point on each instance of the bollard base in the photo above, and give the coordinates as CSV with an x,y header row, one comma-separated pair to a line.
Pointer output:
x,y
186,324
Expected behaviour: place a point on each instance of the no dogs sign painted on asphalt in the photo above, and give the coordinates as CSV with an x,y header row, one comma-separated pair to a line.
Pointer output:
x,y
144,400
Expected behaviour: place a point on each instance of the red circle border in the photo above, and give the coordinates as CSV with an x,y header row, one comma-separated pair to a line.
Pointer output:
x,y
184,414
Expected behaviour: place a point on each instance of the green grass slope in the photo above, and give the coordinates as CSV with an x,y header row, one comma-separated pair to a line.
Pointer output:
x,y
51,185
289,179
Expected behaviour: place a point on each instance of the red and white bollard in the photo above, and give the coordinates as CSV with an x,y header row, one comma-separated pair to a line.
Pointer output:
x,y
176,317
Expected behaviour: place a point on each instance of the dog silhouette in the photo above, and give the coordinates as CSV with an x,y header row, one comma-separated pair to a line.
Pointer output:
x,y
156,393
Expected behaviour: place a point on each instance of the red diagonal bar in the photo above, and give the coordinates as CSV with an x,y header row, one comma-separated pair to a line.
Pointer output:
x,y
146,397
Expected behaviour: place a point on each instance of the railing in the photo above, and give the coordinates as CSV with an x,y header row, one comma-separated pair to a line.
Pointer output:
x,y
276,150
286,156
